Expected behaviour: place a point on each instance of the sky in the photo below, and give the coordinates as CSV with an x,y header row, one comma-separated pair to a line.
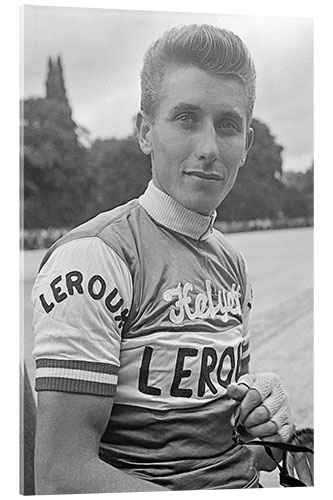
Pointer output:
x,y
102,52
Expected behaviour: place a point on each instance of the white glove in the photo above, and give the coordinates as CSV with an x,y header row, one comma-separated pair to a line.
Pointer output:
x,y
274,398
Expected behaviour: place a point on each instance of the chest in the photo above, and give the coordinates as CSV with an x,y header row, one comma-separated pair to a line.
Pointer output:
x,y
182,283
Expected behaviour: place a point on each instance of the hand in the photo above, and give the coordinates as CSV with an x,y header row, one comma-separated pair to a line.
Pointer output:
x,y
263,406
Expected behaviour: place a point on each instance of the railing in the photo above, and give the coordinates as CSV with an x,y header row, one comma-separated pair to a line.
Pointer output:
x,y
32,239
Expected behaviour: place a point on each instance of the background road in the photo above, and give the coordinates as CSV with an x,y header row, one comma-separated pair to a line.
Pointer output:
x,y
280,265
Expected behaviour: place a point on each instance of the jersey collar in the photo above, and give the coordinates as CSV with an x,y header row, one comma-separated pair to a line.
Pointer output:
x,y
169,213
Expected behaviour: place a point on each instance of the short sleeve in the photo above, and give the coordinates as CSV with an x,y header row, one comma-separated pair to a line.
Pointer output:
x,y
81,299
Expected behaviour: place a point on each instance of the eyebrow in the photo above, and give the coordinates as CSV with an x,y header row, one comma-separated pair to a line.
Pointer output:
x,y
231,114
184,106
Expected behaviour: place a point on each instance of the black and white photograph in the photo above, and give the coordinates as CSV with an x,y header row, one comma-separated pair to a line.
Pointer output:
x,y
167,251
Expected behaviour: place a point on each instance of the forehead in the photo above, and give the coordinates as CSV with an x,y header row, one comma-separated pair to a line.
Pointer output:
x,y
192,86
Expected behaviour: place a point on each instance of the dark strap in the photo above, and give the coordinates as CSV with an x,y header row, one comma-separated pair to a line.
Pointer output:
x,y
285,479
295,448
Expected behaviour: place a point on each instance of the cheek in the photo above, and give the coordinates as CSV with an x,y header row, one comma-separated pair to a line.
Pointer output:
x,y
160,152
171,147
232,152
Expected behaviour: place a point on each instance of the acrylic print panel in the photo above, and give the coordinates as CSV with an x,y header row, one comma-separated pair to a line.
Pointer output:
x,y
88,61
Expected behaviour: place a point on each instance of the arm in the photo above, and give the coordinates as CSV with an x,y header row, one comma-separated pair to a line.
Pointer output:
x,y
76,330
69,429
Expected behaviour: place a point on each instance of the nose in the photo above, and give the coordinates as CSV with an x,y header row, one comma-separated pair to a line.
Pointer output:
x,y
207,148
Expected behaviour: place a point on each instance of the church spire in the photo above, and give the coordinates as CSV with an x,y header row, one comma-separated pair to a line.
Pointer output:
x,y
55,86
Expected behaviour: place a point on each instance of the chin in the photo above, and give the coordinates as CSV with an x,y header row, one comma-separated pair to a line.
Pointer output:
x,y
201,208
205,205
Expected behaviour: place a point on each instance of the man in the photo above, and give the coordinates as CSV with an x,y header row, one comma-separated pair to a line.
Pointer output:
x,y
142,314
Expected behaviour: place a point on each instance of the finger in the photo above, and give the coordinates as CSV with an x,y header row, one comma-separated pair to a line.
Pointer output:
x,y
267,429
237,391
273,403
275,437
264,382
251,400
257,416
246,379
274,397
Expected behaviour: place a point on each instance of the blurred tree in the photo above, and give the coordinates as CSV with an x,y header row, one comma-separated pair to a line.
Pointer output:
x,y
298,196
57,180
258,189
122,171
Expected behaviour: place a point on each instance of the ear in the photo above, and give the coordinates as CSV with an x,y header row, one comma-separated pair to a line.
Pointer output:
x,y
144,129
250,139
249,142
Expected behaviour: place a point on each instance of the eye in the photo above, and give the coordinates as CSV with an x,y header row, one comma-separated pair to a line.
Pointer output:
x,y
185,118
228,124
228,127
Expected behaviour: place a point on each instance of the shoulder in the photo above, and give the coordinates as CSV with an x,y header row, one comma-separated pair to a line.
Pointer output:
x,y
103,229
229,250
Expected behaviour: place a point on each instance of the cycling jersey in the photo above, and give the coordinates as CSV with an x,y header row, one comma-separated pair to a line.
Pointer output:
x,y
149,304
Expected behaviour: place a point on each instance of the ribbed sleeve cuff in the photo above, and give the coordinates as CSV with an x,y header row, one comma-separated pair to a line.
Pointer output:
x,y
84,377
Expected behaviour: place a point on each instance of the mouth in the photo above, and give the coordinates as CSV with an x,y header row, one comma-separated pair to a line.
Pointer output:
x,y
208,176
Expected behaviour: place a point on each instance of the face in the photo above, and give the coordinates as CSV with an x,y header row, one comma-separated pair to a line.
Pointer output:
x,y
199,137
